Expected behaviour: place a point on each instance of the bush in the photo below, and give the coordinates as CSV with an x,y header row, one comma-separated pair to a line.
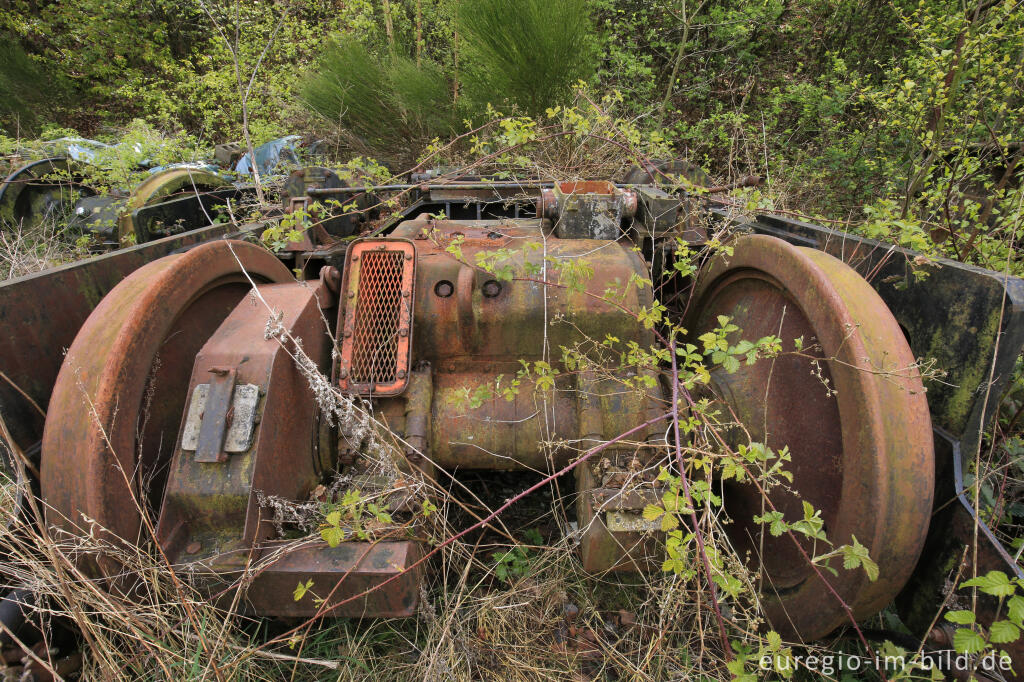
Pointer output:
x,y
527,53
24,86
390,104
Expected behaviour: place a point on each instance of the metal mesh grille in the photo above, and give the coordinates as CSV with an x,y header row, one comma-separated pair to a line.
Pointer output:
x,y
375,336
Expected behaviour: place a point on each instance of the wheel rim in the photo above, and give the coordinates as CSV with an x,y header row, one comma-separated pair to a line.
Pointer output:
x,y
863,455
30,195
127,373
165,185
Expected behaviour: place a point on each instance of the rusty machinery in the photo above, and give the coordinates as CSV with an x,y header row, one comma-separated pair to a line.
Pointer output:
x,y
198,405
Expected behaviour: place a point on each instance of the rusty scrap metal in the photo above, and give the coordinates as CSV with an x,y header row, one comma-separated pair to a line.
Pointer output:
x,y
850,406
434,322
43,312
131,363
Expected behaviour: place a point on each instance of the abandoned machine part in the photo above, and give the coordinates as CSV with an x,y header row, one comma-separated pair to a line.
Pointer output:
x,y
41,190
130,364
846,399
322,225
159,188
209,379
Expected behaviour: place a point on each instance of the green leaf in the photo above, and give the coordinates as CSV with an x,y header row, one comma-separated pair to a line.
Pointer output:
x,y
775,520
332,535
730,364
301,589
968,641
960,617
743,347
1016,609
1003,632
669,522
857,555
652,512
995,583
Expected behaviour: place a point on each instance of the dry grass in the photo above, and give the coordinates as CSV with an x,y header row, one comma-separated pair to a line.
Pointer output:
x,y
28,249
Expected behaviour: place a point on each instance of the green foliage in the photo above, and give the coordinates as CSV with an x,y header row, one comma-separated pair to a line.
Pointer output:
x,y
515,562
27,90
971,639
350,518
383,101
527,53
171,62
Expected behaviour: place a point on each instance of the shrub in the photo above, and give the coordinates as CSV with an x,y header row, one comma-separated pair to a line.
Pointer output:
x,y
528,53
388,103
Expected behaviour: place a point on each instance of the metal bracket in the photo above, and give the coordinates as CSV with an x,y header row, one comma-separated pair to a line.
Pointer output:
x,y
221,418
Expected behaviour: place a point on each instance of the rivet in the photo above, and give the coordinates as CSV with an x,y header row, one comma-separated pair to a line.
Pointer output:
x,y
408,256
193,547
348,332
355,259
406,294
451,367
403,332
351,294
343,373
401,374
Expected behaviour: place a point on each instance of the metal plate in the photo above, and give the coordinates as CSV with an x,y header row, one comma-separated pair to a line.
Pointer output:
x,y
239,434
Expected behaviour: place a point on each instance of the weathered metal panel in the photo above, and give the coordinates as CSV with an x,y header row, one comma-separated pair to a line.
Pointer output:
x,y
41,313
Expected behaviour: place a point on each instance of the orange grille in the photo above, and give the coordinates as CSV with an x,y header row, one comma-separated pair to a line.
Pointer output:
x,y
378,317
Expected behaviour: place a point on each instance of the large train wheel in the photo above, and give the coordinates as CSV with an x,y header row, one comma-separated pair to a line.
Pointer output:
x,y
113,418
862,455
40,190
165,185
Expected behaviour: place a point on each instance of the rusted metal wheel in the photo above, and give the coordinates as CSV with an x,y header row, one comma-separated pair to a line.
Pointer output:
x,y
171,183
40,190
113,418
850,407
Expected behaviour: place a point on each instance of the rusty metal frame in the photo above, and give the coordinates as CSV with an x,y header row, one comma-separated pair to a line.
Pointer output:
x,y
352,321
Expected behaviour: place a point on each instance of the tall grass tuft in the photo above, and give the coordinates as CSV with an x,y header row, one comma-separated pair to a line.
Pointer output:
x,y
527,53
388,104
